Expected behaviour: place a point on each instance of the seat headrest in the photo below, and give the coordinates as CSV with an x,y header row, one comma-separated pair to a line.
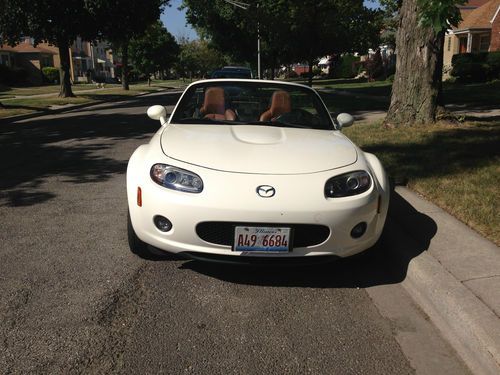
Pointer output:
x,y
280,103
214,101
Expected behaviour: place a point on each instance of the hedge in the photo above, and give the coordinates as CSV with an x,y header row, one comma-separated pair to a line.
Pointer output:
x,y
344,68
12,76
476,67
51,74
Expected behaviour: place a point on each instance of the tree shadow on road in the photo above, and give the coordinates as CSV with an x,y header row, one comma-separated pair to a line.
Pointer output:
x,y
75,148
406,235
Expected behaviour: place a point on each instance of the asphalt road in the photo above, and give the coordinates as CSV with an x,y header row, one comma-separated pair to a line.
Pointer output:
x,y
74,299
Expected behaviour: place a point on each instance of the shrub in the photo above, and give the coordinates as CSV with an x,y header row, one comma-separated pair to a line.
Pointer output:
x,y
51,74
346,67
476,67
375,66
493,62
12,76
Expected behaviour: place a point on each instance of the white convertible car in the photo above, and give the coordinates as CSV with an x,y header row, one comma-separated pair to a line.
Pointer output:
x,y
245,169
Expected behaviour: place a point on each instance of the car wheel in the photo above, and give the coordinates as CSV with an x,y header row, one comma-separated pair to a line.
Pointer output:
x,y
135,244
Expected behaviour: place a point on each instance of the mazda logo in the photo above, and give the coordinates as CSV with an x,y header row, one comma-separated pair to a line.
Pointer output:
x,y
266,191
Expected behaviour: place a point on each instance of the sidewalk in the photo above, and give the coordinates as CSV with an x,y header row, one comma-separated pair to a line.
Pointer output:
x,y
456,281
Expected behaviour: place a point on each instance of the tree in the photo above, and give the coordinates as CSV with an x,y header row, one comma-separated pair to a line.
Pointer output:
x,y
197,58
58,23
334,26
290,30
122,20
155,51
419,45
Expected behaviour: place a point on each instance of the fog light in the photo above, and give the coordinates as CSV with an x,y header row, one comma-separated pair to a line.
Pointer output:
x,y
358,230
162,223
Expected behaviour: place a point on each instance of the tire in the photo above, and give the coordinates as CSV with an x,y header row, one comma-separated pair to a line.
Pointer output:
x,y
135,244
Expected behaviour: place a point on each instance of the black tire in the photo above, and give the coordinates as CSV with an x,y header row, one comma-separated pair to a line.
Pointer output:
x,y
136,245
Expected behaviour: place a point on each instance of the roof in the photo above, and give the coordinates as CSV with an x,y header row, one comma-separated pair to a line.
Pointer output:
x,y
7,48
480,18
28,48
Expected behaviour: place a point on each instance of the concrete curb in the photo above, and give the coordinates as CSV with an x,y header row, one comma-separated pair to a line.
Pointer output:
x,y
465,321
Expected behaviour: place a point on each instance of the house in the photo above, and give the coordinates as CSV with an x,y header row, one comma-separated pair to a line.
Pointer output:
x,y
479,31
32,59
90,60
85,58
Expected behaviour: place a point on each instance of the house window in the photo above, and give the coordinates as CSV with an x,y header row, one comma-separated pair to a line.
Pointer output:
x,y
484,44
4,60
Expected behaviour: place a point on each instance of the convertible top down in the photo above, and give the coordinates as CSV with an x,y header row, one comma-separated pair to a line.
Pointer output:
x,y
252,168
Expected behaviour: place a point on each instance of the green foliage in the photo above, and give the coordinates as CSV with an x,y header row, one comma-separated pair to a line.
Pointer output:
x,y
121,20
51,74
155,51
375,66
493,61
439,14
345,68
476,67
12,76
58,22
290,30
197,59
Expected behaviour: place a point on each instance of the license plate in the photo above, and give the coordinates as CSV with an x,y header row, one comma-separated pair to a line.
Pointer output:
x,y
262,239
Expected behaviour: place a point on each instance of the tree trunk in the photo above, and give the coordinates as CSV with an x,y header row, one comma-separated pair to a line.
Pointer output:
x,y
64,73
416,82
125,66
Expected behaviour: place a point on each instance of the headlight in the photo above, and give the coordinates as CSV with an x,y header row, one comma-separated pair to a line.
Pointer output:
x,y
347,184
176,178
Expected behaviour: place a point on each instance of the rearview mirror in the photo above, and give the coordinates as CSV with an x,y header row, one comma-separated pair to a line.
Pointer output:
x,y
345,120
158,112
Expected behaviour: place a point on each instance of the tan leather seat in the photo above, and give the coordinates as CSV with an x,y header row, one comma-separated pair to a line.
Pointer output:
x,y
280,103
214,106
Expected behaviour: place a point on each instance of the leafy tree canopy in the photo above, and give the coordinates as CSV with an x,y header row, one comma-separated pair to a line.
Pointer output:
x,y
156,50
58,23
290,30
197,58
121,20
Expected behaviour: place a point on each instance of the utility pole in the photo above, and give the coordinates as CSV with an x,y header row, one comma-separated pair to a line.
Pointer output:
x,y
245,6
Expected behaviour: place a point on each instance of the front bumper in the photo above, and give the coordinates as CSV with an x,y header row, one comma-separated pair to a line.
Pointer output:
x,y
295,202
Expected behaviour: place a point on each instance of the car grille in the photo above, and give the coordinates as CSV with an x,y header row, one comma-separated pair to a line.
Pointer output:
x,y
222,232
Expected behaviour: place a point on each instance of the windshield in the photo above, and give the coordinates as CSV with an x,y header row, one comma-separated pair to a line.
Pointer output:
x,y
252,103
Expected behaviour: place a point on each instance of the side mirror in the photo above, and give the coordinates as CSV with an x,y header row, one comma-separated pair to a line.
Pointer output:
x,y
158,112
345,120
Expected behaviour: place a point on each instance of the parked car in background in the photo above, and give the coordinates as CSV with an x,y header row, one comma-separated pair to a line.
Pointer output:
x,y
232,72
253,168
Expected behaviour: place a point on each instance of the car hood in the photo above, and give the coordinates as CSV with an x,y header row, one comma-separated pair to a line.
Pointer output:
x,y
258,149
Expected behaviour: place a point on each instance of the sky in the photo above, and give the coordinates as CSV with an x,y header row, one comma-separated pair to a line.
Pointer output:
x,y
175,20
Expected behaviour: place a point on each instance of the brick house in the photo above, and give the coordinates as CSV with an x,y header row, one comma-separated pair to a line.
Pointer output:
x,y
84,56
479,31
30,58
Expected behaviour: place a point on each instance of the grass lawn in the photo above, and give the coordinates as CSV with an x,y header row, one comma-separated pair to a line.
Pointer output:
x,y
43,104
355,95
457,167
